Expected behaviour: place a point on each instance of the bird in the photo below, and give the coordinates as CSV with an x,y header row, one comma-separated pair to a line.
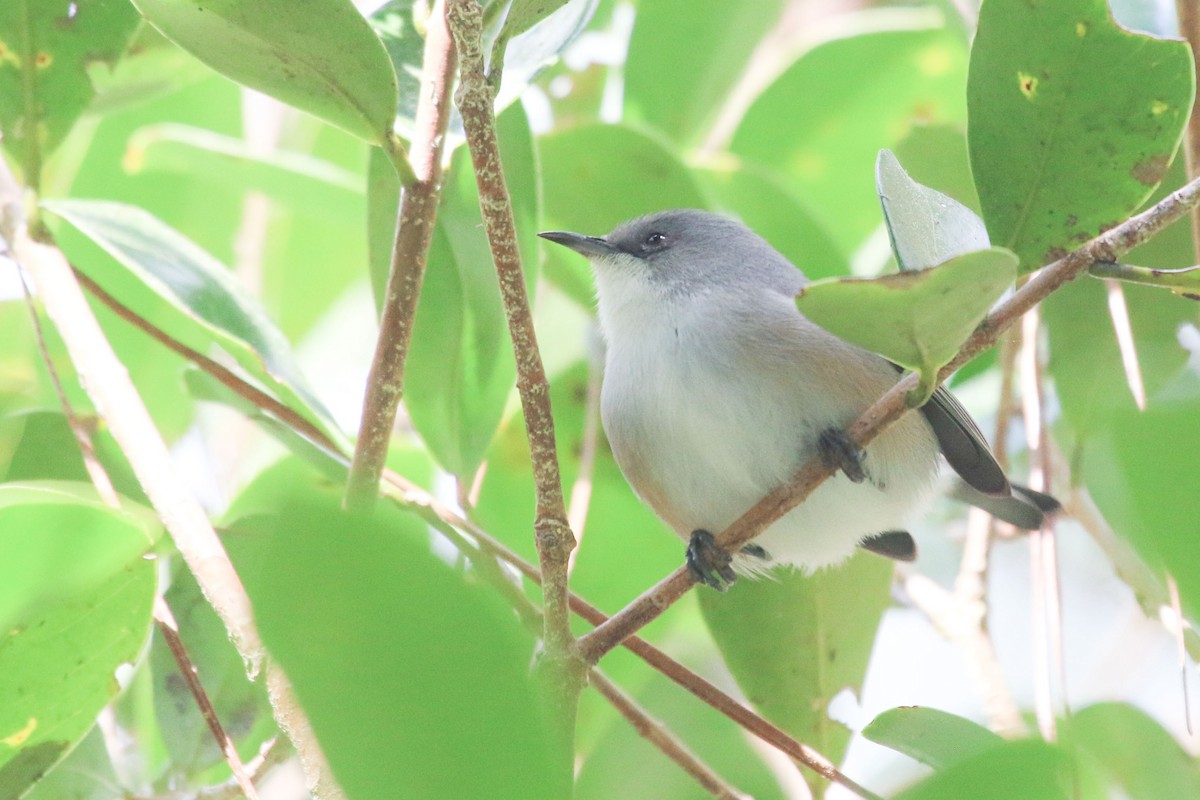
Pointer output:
x,y
717,389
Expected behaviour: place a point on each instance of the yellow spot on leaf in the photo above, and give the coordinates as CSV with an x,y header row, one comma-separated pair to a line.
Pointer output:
x,y
1081,29
17,739
1028,84
1158,107
935,61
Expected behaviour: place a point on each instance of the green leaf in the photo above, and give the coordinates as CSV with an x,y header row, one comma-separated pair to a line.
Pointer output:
x,y
778,215
1022,770
1073,121
926,227
301,182
824,119
1137,755
167,279
795,641
679,82
937,738
320,56
1141,471
918,319
936,155
45,52
432,675
80,542
598,176
460,367
77,594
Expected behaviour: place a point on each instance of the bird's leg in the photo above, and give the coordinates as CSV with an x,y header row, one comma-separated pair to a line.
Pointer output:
x,y
838,451
708,562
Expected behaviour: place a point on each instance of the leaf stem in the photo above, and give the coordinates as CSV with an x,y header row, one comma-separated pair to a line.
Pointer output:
x,y
421,181
1184,281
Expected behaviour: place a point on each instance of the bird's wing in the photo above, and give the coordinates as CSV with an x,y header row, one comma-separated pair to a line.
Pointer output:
x,y
963,444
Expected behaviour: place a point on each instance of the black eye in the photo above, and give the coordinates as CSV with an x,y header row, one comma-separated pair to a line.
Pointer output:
x,y
656,239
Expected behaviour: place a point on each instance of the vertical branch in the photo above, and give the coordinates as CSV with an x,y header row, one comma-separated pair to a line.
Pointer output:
x,y
1188,12
554,538
414,231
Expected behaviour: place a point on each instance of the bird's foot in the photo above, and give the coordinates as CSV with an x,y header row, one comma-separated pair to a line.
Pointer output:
x,y
838,451
708,562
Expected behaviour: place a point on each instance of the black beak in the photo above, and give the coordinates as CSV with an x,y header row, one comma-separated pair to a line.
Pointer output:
x,y
588,246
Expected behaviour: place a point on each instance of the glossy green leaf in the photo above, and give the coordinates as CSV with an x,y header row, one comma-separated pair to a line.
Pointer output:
x,y
795,641
432,674
1141,472
926,227
298,181
931,736
678,82
917,319
46,50
822,122
320,56
77,593
169,280
1073,121
598,176
1021,770
460,367
1136,753
80,541
761,201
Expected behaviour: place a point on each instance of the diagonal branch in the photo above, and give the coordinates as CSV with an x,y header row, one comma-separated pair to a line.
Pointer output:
x,y
1108,246
414,232
449,522
554,538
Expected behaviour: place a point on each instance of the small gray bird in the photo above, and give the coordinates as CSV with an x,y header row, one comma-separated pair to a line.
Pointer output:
x,y
717,390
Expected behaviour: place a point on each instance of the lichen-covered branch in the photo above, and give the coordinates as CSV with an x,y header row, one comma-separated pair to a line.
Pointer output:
x,y
414,231
1108,246
554,538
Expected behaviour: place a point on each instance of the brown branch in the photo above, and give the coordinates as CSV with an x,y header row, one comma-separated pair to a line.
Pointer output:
x,y
170,633
449,522
553,535
661,737
1108,246
1188,12
410,250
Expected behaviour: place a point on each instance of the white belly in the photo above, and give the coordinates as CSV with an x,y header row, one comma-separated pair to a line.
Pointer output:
x,y
701,446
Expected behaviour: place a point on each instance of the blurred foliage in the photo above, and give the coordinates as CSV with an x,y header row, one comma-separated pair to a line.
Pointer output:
x,y
253,229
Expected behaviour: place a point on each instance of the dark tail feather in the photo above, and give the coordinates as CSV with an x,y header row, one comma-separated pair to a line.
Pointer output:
x,y
1025,508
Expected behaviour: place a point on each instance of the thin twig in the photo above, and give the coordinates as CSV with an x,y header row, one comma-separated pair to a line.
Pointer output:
x,y
113,394
554,538
170,633
1109,246
661,737
1188,12
410,250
